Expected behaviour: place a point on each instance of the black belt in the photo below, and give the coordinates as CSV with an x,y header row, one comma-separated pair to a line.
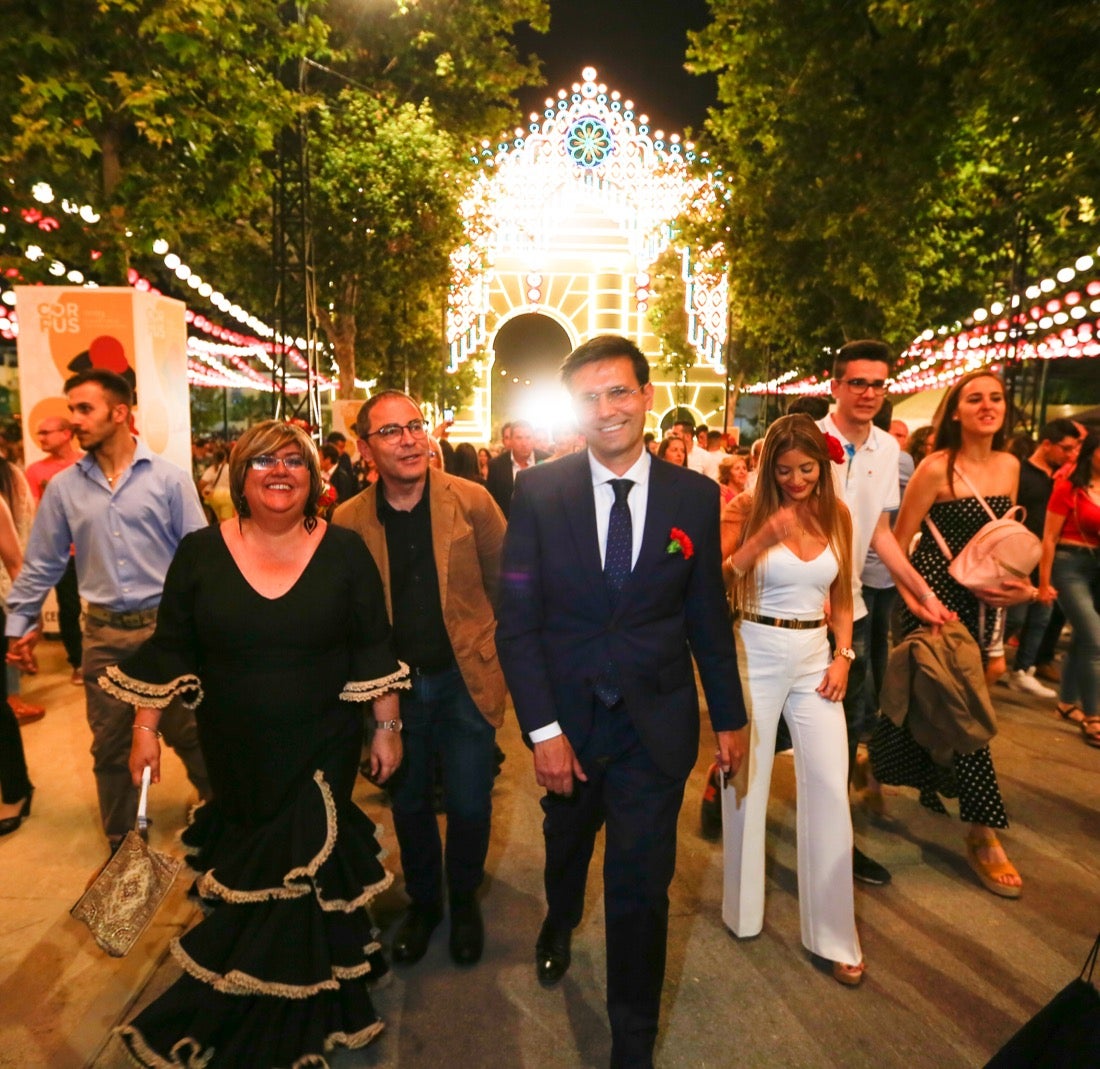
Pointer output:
x,y
126,621
778,621
1066,547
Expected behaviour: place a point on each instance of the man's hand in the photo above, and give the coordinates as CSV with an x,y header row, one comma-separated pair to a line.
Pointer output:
x,y
556,764
732,747
21,652
385,755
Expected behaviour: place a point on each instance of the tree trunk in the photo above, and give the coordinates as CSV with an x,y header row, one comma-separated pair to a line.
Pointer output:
x,y
339,327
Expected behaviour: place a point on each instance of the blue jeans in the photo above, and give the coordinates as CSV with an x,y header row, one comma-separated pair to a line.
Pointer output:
x,y
443,728
1076,576
1029,622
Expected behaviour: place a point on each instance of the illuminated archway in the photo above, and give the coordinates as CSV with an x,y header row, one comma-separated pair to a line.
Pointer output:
x,y
527,352
565,221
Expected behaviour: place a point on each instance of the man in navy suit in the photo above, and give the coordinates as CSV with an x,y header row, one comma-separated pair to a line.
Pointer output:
x,y
611,581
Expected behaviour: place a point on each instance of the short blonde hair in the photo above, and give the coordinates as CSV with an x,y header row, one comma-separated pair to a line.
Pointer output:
x,y
264,438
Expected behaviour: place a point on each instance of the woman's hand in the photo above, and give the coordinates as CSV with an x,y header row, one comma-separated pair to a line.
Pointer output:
x,y
1047,593
835,684
779,526
385,755
144,752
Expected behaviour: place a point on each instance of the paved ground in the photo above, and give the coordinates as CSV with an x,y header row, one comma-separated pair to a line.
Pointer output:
x,y
952,970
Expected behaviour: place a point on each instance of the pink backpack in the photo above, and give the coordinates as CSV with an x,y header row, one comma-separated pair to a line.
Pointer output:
x,y
1003,549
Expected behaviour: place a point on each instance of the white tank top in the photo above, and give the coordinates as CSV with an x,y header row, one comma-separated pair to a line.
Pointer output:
x,y
791,588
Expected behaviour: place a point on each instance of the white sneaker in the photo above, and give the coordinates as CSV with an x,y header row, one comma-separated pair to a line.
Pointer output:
x,y
1024,679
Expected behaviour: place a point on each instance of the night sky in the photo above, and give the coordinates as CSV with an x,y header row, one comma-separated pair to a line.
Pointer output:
x,y
637,47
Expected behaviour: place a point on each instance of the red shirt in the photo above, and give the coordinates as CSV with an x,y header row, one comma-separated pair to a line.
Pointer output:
x,y
42,471
1082,523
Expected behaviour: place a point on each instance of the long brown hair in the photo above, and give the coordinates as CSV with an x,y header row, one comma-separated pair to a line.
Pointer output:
x,y
948,428
830,516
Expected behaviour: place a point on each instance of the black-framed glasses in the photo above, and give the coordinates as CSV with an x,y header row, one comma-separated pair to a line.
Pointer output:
x,y
392,432
266,462
863,385
614,395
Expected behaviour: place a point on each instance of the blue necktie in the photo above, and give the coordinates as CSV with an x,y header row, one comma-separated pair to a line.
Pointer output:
x,y
616,568
620,539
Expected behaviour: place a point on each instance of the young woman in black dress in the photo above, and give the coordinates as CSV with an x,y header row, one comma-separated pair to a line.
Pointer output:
x,y
970,434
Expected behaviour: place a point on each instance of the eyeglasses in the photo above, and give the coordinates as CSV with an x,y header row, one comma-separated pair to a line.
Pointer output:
x,y
615,396
392,432
266,462
863,385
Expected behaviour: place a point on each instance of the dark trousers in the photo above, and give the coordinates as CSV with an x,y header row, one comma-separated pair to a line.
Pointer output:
x,y
880,602
855,701
639,804
112,722
1049,644
443,727
68,615
14,783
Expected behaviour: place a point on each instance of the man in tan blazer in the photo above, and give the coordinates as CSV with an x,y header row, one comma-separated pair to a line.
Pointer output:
x,y
436,540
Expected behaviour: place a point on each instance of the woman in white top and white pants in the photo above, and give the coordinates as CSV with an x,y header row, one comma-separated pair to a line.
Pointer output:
x,y
788,554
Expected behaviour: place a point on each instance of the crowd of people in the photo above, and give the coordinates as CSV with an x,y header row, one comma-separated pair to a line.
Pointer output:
x,y
250,612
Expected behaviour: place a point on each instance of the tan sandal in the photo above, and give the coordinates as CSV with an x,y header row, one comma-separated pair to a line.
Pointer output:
x,y
1071,712
1090,728
849,975
988,871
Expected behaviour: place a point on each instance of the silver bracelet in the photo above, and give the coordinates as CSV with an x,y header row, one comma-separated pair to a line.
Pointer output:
x,y
152,731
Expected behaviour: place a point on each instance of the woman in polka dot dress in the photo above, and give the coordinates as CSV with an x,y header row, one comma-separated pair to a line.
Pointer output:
x,y
970,433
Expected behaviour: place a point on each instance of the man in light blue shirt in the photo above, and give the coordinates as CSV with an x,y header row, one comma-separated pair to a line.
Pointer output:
x,y
125,509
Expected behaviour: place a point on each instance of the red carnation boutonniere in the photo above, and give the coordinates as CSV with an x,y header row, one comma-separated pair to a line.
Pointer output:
x,y
680,543
328,496
836,450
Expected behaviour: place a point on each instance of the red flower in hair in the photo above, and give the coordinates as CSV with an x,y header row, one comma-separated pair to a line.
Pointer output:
x,y
680,543
836,450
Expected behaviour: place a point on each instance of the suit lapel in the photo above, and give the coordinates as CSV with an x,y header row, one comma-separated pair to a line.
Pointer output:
x,y
374,535
579,506
442,507
660,506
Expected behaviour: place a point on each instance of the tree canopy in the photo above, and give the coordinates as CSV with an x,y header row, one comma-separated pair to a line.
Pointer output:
x,y
165,114
885,165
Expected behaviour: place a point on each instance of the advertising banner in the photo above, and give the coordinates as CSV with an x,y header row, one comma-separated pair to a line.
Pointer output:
x,y
141,336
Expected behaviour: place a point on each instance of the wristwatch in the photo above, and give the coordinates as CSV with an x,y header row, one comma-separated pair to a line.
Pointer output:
x,y
389,725
846,653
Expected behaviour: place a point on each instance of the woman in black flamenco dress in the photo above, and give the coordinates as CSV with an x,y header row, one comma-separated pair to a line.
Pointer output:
x,y
970,434
275,628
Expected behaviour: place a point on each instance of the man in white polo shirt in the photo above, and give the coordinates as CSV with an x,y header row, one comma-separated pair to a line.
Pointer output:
x,y
868,483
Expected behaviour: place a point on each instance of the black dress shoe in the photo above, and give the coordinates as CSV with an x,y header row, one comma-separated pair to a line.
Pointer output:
x,y
552,956
867,870
413,934
10,824
467,932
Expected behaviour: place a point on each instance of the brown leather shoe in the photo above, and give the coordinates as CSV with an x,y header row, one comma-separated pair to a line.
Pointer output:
x,y
25,712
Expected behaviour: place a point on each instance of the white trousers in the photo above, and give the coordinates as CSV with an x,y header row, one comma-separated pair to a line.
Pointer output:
x,y
780,670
